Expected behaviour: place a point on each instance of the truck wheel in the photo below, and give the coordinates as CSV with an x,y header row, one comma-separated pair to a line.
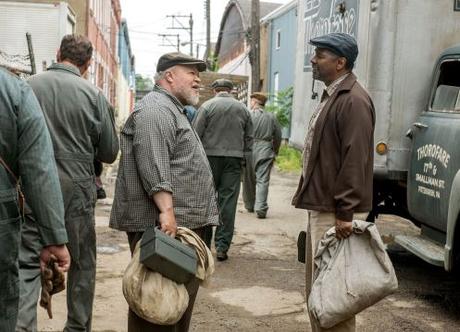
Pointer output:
x,y
456,249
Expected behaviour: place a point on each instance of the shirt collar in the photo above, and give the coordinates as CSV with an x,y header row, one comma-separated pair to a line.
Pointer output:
x,y
176,101
65,67
335,84
223,94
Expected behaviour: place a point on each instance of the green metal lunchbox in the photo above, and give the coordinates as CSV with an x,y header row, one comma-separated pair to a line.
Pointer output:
x,y
168,256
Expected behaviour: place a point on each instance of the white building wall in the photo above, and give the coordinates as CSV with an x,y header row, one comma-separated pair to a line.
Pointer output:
x,y
123,95
47,23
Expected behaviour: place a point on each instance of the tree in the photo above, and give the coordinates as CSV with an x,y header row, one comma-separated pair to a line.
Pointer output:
x,y
281,106
143,83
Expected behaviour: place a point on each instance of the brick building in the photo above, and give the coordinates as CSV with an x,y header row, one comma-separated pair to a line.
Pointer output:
x,y
100,21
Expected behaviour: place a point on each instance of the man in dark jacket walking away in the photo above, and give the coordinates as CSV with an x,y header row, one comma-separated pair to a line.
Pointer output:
x,y
336,182
225,129
81,125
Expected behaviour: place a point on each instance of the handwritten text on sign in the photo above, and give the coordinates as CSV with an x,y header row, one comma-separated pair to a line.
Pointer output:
x,y
429,183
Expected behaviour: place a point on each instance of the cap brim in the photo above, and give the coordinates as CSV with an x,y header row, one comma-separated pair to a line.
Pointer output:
x,y
201,66
327,47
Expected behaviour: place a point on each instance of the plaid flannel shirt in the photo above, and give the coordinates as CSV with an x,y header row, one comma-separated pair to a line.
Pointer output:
x,y
160,151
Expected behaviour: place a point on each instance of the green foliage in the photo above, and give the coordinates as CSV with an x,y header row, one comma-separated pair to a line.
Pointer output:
x,y
213,65
143,83
289,159
281,106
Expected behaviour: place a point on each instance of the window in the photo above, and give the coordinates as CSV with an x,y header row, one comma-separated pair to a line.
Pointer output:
x,y
446,96
276,83
278,39
70,26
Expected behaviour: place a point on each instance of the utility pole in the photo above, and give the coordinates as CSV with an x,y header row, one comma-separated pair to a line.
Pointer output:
x,y
33,68
170,43
190,23
175,19
255,45
208,31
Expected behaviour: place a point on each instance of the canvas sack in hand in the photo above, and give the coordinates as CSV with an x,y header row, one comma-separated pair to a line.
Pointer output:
x,y
151,296
350,274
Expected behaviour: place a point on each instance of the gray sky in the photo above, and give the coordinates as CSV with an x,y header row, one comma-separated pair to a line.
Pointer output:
x,y
147,18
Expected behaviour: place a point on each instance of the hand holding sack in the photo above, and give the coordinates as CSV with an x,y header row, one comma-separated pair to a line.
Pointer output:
x,y
350,274
156,298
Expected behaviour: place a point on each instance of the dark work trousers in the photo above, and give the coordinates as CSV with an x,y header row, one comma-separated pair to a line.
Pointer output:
x,y
137,324
98,168
226,172
10,224
81,277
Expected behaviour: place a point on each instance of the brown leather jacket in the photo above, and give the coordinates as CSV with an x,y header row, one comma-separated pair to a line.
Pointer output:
x,y
339,173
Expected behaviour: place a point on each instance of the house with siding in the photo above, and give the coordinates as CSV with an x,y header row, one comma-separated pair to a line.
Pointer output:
x,y
232,47
281,30
99,20
46,23
126,74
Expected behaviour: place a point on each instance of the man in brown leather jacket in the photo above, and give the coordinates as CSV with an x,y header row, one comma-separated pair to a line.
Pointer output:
x,y
336,182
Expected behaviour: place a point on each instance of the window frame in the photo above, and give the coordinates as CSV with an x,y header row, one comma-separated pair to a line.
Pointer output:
x,y
435,85
278,39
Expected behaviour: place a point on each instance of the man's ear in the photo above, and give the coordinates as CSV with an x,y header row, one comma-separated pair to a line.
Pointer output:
x,y
58,56
169,77
85,67
341,63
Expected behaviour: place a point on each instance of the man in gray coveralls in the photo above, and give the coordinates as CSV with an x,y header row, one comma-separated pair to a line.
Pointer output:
x,y
81,124
25,151
267,141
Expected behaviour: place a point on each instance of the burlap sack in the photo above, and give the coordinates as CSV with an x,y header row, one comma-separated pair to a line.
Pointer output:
x,y
152,296
205,261
351,274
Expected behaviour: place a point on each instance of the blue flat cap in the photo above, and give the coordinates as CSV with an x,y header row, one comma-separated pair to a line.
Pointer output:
x,y
341,44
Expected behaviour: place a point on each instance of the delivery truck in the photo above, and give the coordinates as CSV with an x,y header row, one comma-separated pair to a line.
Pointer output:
x,y
410,65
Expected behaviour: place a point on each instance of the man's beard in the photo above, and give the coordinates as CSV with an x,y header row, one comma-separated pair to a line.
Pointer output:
x,y
192,99
189,97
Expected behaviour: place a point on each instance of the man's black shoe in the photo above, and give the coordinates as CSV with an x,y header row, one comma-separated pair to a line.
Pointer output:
x,y
101,193
221,256
261,215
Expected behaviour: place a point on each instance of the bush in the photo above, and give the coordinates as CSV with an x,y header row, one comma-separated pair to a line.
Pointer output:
x,y
289,159
281,106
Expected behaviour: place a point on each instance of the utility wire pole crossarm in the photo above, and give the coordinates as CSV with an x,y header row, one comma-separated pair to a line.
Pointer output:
x,y
174,18
165,37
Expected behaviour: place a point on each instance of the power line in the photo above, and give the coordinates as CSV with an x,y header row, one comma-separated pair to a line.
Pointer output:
x,y
165,38
174,18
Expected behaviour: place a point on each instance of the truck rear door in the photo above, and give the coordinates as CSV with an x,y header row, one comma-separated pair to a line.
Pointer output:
x,y
435,153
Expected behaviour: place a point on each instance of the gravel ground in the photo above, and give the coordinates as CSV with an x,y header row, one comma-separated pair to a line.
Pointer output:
x,y
260,287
